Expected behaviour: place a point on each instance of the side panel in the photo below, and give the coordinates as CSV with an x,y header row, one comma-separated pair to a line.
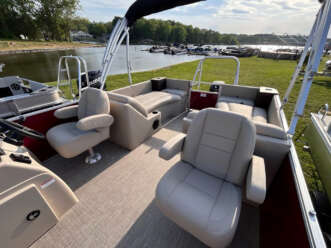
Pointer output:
x,y
42,123
320,154
21,229
203,99
281,221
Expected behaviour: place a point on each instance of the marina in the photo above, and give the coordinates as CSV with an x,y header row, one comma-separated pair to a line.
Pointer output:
x,y
29,66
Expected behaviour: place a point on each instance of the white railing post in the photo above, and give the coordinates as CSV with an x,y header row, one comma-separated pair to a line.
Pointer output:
x,y
199,68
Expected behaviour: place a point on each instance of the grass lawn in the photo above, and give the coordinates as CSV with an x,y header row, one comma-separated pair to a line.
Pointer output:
x,y
255,72
13,45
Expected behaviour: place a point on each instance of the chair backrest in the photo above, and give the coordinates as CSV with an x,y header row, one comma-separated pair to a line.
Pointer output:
x,y
221,144
92,102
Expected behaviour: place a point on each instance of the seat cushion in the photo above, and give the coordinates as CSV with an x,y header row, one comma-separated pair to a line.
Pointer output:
x,y
92,102
69,141
259,115
270,130
220,143
206,206
152,100
245,110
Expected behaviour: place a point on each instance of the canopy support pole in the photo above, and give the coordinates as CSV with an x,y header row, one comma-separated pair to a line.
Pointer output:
x,y
301,61
319,37
116,38
128,64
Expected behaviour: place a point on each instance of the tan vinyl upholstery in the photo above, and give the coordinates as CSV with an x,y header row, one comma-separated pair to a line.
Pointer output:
x,y
256,181
267,121
67,112
139,111
271,140
71,139
155,99
203,192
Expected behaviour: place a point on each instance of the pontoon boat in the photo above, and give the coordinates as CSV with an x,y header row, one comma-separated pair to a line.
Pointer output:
x,y
237,183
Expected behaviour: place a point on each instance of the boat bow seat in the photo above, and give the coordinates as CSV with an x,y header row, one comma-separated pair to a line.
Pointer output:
x,y
202,193
267,122
141,109
71,139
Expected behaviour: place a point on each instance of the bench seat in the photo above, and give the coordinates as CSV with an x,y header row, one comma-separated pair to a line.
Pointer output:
x,y
252,113
140,111
155,99
258,115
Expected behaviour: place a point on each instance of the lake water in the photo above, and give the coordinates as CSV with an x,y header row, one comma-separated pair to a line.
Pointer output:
x,y
43,66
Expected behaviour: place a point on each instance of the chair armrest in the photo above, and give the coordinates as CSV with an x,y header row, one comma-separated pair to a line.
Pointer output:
x,y
256,181
186,124
95,122
66,112
172,147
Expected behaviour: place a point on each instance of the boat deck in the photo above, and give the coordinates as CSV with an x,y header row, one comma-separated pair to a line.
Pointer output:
x,y
116,201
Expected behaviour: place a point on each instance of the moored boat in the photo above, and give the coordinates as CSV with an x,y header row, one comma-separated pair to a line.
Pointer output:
x,y
157,49
318,135
20,96
280,54
238,51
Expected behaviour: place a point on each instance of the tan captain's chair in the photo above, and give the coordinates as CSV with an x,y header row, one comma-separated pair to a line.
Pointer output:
x,y
73,138
202,193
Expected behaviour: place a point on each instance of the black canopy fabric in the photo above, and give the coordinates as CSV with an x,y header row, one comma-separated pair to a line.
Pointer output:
x,y
141,8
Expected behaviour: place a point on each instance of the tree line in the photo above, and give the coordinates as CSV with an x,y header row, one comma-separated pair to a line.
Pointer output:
x,y
54,19
157,31
37,19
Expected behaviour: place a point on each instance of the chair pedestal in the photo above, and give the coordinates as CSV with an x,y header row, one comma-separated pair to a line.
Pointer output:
x,y
93,157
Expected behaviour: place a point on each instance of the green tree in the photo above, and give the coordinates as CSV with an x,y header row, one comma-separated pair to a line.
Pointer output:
x,y
229,40
80,24
53,17
16,18
97,29
163,31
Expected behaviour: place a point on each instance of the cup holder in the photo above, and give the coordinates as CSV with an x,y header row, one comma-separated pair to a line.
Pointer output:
x,y
156,124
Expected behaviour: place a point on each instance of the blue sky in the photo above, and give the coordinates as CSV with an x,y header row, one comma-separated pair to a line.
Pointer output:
x,y
225,16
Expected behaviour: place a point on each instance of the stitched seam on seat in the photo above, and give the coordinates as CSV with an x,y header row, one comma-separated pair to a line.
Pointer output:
x,y
196,188
219,135
227,171
214,204
214,148
202,131
179,183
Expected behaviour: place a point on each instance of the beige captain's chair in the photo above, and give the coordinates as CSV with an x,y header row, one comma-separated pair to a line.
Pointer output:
x,y
73,138
202,193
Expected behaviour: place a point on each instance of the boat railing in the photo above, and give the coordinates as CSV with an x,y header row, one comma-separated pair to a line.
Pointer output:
x,y
200,67
325,109
64,77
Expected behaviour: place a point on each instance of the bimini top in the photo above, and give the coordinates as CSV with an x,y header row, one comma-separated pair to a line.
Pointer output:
x,y
141,8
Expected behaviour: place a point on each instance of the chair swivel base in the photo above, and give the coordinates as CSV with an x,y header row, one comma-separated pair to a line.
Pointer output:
x,y
93,158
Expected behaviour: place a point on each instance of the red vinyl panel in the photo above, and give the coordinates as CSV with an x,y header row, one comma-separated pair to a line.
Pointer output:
x,y
202,99
281,222
41,123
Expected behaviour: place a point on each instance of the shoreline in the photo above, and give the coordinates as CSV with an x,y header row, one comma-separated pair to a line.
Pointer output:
x,y
46,49
138,71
